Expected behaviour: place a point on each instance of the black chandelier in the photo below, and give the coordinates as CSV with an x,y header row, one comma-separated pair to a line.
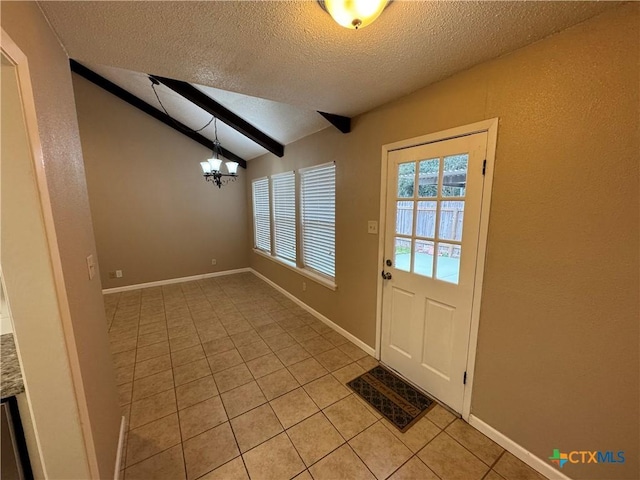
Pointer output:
x,y
211,168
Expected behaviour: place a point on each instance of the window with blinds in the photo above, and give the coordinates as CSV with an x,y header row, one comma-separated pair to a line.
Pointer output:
x,y
318,216
261,215
284,215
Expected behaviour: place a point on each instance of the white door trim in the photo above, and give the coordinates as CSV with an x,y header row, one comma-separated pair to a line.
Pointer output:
x,y
491,128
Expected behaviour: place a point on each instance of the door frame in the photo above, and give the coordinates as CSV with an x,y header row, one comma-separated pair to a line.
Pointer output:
x,y
34,393
489,126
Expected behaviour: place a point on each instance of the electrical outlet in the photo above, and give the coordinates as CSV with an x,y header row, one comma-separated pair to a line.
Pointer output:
x,y
304,286
112,275
214,261
118,273
372,227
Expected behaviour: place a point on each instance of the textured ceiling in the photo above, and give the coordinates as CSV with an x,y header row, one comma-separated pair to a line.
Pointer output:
x,y
284,123
293,52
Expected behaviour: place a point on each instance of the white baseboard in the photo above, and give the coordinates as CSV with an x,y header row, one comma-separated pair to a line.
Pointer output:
x,y
517,450
116,475
6,326
317,314
174,280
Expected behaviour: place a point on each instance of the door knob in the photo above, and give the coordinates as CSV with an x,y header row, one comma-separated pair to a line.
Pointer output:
x,y
386,275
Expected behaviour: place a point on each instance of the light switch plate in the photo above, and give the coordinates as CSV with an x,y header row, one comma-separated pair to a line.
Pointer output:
x,y
91,266
372,227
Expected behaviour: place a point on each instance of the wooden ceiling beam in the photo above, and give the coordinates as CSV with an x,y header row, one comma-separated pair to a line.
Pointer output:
x,y
208,104
134,101
341,123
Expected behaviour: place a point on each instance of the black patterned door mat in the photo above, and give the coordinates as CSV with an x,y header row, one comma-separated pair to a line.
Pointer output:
x,y
395,399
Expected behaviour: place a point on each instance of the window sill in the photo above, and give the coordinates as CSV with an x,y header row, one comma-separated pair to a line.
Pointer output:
x,y
325,282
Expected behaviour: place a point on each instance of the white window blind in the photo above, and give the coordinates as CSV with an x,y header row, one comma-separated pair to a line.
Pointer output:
x,y
261,215
284,215
318,192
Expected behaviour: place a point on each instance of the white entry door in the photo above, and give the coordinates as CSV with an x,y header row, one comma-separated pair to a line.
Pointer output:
x,y
434,198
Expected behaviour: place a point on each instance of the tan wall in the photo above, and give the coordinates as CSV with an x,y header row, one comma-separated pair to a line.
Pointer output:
x,y
51,405
557,360
87,343
155,217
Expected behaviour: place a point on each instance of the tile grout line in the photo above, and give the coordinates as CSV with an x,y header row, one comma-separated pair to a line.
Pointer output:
x,y
185,297
131,403
344,440
175,396
455,440
495,463
223,407
321,411
220,394
356,453
159,452
307,467
284,430
128,423
414,455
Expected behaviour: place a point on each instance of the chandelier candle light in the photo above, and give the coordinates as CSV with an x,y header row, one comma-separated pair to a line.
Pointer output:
x,y
211,168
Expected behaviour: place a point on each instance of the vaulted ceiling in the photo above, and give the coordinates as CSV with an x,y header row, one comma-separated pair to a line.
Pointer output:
x,y
292,52
284,123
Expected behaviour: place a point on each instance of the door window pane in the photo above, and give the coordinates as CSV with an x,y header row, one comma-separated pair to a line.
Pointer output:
x,y
426,221
448,262
402,254
454,177
423,258
428,178
451,219
406,179
404,218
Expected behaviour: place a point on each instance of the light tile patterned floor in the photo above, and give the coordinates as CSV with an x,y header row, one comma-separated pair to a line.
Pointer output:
x,y
226,378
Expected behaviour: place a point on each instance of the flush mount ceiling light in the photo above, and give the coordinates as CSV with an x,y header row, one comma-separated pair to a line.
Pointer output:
x,y
354,14
211,168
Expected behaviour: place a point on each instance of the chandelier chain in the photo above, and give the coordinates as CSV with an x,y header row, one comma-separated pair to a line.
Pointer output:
x,y
178,124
